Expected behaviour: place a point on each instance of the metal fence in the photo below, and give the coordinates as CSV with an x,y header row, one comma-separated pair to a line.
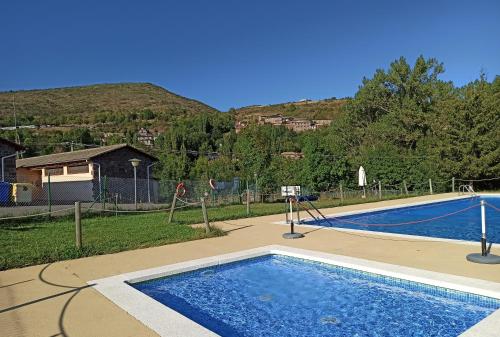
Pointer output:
x,y
145,194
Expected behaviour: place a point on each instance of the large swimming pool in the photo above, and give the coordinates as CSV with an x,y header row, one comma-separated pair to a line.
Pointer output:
x,y
276,295
464,225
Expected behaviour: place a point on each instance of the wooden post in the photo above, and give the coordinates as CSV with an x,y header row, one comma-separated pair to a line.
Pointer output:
x,y
430,185
104,193
49,195
341,194
379,190
78,224
205,215
172,208
406,187
453,184
248,200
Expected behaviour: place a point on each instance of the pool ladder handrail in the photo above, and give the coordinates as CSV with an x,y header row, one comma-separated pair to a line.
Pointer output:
x,y
316,218
463,189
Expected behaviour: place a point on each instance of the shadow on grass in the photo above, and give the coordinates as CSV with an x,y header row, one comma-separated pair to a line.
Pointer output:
x,y
20,228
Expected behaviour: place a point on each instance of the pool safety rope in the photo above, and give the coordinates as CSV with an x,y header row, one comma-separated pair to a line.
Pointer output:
x,y
147,210
492,206
37,214
186,202
485,179
386,224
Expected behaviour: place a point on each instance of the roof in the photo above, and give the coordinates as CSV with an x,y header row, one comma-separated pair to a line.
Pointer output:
x,y
74,156
16,146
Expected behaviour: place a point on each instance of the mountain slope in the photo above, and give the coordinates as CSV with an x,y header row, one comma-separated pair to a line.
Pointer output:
x,y
94,103
323,109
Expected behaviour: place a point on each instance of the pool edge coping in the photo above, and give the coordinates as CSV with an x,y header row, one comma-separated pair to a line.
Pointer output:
x,y
168,322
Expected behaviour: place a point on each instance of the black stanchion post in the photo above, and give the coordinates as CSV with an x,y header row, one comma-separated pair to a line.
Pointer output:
x,y
292,234
484,257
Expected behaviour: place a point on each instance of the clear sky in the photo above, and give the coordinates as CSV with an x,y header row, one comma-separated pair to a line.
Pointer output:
x,y
230,53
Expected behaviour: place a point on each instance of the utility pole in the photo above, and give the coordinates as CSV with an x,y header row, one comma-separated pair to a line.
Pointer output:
x,y
18,141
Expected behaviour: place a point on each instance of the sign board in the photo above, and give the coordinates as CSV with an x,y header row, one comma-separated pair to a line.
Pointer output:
x,y
287,191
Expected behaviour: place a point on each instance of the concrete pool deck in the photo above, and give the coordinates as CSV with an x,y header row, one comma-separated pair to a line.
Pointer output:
x,y
54,299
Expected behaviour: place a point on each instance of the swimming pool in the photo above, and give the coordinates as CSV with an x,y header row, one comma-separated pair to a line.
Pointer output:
x,y
279,290
464,225
277,295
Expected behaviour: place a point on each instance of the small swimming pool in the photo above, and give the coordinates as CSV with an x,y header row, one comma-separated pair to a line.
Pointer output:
x,y
464,225
277,295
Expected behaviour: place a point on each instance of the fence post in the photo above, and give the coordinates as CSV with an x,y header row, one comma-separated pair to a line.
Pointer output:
x,y
104,193
341,194
453,184
430,185
205,215
172,208
248,200
49,194
406,187
116,204
78,224
379,190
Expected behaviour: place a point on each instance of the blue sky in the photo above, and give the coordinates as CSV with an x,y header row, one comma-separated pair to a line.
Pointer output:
x,y
236,53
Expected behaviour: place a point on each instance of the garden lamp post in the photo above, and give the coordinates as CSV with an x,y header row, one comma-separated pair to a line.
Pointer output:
x,y
135,162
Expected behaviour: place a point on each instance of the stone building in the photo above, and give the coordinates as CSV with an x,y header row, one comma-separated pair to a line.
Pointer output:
x,y
292,155
8,154
145,137
300,125
87,175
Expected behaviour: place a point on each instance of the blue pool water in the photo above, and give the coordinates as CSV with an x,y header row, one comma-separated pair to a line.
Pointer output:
x,y
275,295
462,226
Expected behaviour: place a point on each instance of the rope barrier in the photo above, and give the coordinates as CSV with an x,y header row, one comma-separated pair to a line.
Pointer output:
x,y
36,215
408,222
189,203
131,211
401,223
486,179
140,211
492,206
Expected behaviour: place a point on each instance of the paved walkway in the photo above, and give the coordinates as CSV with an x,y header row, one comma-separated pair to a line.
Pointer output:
x,y
54,300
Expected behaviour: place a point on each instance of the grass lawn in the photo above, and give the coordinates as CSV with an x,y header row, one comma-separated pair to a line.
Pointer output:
x,y
42,240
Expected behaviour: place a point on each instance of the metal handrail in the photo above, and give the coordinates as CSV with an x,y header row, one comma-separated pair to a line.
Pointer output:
x,y
462,189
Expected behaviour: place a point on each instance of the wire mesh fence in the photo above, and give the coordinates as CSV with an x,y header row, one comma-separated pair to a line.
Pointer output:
x,y
112,193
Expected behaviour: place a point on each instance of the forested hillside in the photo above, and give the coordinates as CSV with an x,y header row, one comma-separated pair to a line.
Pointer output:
x,y
323,109
78,117
96,104
404,123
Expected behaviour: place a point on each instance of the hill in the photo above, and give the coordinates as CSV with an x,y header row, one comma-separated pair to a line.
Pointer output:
x,y
92,104
322,109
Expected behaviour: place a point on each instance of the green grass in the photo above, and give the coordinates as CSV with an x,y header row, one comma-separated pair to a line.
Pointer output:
x,y
41,240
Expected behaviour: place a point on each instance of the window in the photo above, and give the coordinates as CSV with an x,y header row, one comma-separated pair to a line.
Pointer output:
x,y
78,169
54,171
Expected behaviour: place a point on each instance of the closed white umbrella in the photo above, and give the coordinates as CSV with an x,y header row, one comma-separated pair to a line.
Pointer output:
x,y
362,179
